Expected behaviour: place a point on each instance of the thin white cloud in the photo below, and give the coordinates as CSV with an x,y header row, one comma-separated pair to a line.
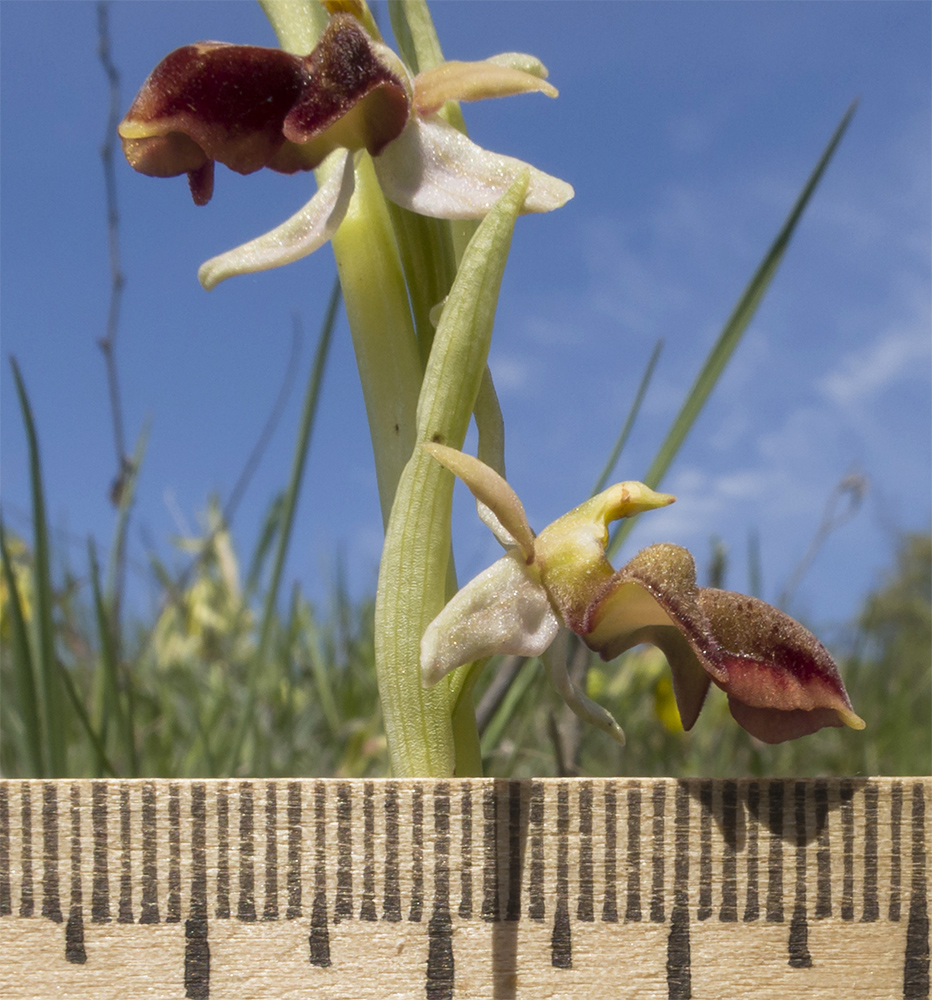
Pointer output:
x,y
805,444
511,374
749,484
863,374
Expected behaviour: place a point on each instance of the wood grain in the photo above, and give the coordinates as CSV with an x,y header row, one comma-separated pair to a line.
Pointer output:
x,y
627,888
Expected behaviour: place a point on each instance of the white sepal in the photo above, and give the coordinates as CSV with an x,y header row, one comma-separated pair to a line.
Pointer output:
x,y
503,610
435,170
302,234
490,519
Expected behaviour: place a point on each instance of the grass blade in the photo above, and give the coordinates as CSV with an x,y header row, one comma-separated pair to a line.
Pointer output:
x,y
43,623
263,546
103,762
23,669
502,719
602,481
289,506
321,673
733,330
111,699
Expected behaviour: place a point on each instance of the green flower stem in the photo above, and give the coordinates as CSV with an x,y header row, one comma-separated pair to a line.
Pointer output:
x,y
415,34
374,291
416,561
425,247
297,23
412,577
417,39
380,323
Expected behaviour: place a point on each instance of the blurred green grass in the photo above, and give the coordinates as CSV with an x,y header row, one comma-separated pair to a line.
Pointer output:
x,y
173,704
184,682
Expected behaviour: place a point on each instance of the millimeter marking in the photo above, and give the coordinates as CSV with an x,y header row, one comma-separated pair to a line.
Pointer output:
x,y
578,866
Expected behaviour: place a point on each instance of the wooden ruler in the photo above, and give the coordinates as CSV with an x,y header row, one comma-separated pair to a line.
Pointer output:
x,y
477,888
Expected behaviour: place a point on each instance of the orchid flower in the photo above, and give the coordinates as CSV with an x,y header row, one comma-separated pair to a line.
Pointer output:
x,y
780,680
250,107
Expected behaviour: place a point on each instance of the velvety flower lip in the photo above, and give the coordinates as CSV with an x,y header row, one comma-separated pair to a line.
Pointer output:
x,y
355,93
781,682
250,107
193,111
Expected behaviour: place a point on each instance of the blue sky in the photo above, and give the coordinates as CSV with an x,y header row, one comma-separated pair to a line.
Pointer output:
x,y
687,130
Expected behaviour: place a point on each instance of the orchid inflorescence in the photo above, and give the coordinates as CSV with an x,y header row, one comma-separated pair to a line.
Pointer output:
x,y
351,109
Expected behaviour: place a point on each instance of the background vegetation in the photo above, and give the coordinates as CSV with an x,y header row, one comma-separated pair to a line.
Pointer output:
x,y
222,680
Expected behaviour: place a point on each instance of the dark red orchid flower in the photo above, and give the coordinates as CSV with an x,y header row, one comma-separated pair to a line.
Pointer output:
x,y
250,107
780,680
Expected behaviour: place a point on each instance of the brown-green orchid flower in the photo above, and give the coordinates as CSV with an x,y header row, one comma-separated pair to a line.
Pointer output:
x,y
250,107
780,680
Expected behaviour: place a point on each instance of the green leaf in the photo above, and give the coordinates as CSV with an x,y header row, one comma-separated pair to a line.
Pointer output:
x,y
429,261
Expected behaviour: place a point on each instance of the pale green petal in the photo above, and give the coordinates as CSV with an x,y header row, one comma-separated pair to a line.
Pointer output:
x,y
554,659
520,60
499,506
302,234
570,552
503,610
435,170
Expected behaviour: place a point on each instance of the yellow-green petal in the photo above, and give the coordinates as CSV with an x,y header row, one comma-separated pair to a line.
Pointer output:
x,y
473,81
491,490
